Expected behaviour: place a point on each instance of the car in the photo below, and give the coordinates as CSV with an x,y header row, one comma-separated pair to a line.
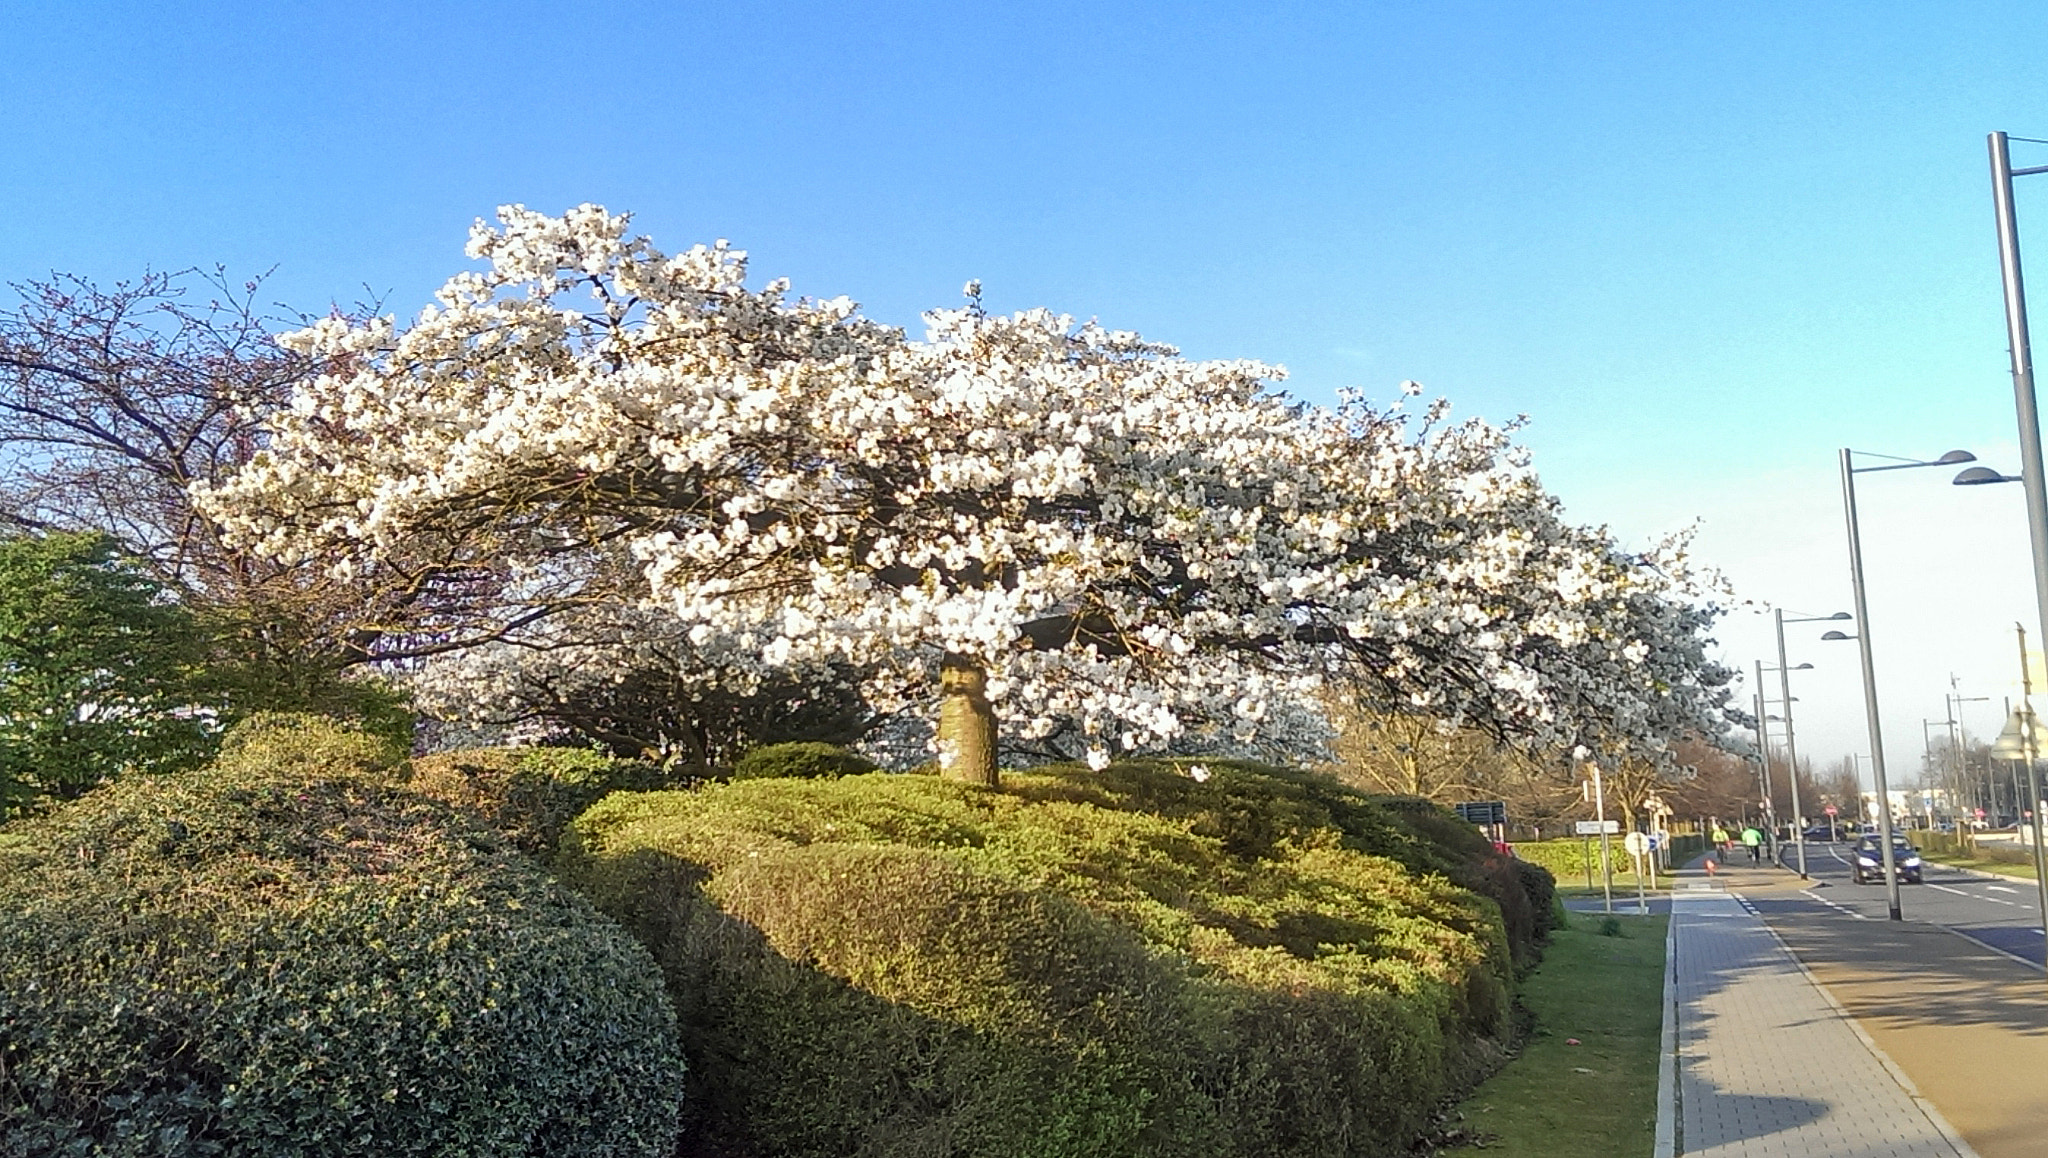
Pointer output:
x,y
1866,860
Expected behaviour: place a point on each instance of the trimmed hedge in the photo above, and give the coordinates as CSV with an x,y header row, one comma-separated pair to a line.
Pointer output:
x,y
1467,856
1116,963
285,954
529,795
800,760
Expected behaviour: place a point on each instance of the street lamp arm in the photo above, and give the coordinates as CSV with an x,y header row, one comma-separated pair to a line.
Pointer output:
x,y
1950,459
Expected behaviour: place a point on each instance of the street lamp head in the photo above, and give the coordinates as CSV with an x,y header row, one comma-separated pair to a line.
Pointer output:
x,y
1835,636
1978,476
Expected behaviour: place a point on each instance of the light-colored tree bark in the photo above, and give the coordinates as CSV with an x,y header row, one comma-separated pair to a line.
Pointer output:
x,y
967,723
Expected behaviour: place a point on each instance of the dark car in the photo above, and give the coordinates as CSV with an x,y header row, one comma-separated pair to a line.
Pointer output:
x,y
1866,861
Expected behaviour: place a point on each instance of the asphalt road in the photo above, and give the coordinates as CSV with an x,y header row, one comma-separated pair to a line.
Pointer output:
x,y
2004,915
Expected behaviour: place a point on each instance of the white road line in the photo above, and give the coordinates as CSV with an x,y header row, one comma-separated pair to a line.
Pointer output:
x,y
1832,905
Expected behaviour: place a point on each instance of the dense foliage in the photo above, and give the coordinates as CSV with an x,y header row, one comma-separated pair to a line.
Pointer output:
x,y
285,954
97,670
800,760
1116,963
529,795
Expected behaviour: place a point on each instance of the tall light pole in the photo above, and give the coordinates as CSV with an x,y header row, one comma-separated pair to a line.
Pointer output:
x,y
1791,747
1763,750
2031,476
1957,735
1862,636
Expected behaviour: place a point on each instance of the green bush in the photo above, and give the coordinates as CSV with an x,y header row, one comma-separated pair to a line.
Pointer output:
x,y
801,761
1569,859
1122,963
1467,856
529,795
1541,888
286,954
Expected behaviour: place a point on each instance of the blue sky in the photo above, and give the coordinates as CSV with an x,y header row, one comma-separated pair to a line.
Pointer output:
x,y
1701,246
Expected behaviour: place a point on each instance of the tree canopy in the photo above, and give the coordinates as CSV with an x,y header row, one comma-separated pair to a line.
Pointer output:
x,y
1091,540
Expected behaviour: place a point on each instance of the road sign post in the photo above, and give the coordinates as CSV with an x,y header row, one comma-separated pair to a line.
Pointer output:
x,y
1638,846
1606,860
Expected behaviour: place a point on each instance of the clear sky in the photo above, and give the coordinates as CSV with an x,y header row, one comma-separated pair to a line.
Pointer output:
x,y
1701,246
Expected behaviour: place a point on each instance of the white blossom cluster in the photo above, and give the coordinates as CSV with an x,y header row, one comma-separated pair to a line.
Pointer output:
x,y
1136,547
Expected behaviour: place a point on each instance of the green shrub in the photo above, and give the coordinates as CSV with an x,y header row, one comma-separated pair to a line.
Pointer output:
x,y
802,760
1569,859
286,954
1468,857
529,794
1122,963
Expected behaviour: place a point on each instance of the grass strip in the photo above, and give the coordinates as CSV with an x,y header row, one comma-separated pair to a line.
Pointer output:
x,y
2024,870
1597,1097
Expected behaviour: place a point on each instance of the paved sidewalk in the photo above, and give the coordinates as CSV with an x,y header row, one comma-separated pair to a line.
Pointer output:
x,y
1735,993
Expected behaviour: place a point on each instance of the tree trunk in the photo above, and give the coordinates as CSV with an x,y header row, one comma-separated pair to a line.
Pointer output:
x,y
967,723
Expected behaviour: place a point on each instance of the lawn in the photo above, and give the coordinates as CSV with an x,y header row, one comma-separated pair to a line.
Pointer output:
x,y
2022,869
1598,1096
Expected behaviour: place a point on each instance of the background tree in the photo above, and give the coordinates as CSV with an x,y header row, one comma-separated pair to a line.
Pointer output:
x,y
97,670
625,678
1722,784
1842,787
114,403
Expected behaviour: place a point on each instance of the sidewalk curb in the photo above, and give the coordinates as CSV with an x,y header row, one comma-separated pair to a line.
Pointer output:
x,y
1962,1148
1667,1048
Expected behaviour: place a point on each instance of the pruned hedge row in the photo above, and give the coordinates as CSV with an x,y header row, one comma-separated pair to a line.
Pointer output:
x,y
801,759
1116,963
286,953
529,795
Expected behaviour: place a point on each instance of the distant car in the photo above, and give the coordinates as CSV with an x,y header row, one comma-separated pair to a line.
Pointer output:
x,y
1867,860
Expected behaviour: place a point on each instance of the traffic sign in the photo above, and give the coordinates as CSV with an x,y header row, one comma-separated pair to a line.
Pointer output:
x,y
1636,843
1596,827
1483,811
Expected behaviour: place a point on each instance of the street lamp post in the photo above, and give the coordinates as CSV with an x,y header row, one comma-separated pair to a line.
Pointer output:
x,y
1862,636
1957,734
1763,751
1791,746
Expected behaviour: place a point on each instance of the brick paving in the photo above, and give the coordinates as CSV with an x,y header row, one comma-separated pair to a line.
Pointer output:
x,y
1740,998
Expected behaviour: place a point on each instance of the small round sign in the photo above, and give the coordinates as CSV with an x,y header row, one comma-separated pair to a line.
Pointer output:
x,y
1636,843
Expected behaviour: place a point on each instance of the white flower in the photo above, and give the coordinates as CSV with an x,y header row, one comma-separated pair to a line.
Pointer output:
x,y
1141,550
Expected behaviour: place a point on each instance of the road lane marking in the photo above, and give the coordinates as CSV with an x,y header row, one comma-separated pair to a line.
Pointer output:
x,y
1832,905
